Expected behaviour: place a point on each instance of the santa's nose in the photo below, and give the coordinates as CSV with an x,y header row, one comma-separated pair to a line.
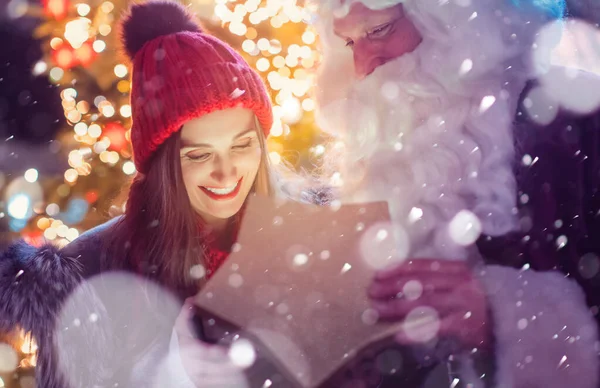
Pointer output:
x,y
366,60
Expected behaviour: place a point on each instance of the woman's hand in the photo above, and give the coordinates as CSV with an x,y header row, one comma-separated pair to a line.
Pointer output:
x,y
206,365
435,299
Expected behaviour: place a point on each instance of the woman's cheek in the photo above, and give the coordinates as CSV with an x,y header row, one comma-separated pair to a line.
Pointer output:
x,y
251,159
193,173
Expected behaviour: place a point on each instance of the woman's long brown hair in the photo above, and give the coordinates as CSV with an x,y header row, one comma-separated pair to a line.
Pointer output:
x,y
160,236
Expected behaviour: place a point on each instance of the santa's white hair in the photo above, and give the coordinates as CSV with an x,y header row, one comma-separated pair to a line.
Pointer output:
x,y
431,132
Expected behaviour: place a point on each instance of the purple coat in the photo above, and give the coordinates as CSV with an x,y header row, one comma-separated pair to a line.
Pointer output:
x,y
559,201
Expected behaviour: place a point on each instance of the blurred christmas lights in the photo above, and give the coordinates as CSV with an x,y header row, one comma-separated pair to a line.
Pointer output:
x,y
270,34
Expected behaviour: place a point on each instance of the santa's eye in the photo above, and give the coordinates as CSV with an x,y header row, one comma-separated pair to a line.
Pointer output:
x,y
382,30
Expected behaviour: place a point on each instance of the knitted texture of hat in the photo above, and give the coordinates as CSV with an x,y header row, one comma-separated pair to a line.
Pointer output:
x,y
181,73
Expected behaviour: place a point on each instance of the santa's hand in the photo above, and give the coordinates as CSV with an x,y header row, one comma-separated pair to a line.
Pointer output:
x,y
435,299
206,365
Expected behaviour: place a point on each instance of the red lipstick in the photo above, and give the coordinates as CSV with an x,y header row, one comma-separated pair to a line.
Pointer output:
x,y
223,197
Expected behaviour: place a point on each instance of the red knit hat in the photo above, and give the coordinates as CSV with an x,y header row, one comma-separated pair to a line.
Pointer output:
x,y
180,73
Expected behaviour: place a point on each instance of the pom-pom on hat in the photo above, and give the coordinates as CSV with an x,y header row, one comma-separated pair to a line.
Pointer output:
x,y
181,73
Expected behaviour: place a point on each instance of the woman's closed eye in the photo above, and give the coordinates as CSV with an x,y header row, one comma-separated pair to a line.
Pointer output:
x,y
201,155
198,157
243,145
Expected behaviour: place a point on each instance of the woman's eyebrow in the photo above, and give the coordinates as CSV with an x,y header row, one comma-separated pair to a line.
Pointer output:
x,y
243,133
201,145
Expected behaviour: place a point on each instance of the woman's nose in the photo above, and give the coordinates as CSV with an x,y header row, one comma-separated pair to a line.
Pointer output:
x,y
224,169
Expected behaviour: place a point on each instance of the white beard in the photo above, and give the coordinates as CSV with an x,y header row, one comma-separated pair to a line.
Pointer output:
x,y
431,142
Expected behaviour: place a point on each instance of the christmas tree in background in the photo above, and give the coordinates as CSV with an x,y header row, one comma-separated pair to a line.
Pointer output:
x,y
63,174
81,58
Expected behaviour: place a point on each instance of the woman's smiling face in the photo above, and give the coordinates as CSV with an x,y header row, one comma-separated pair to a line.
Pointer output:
x,y
220,157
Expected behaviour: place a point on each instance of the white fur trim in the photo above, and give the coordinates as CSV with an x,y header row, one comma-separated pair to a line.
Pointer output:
x,y
545,335
454,125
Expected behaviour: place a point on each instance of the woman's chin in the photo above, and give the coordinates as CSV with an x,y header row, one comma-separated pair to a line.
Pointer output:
x,y
225,211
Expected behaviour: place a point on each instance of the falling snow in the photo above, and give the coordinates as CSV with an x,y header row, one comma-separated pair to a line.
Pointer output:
x,y
242,353
346,268
562,361
561,241
235,280
8,359
589,265
197,271
466,67
486,103
300,259
236,93
522,324
422,324
369,317
412,290
465,228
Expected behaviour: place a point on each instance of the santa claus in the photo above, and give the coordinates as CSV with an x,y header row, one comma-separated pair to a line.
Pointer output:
x,y
463,117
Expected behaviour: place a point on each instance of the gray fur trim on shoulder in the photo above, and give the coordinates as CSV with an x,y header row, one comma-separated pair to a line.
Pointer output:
x,y
545,334
34,285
